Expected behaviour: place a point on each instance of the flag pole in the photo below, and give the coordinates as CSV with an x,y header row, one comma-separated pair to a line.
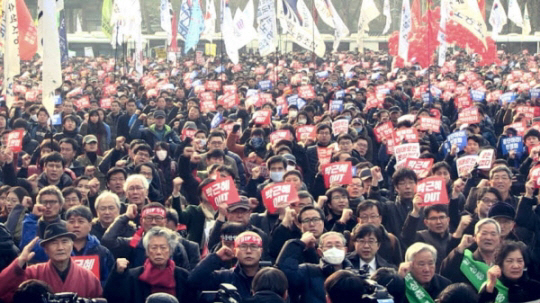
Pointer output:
x,y
429,55
313,31
115,52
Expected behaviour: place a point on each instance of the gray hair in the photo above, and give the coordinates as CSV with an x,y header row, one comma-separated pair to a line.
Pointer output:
x,y
107,194
331,233
161,232
50,190
136,177
303,194
485,221
417,248
500,168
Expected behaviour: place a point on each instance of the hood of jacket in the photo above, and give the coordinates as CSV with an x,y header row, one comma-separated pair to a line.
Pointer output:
x,y
167,128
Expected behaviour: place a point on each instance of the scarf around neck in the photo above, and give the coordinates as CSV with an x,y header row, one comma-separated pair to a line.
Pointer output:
x,y
160,280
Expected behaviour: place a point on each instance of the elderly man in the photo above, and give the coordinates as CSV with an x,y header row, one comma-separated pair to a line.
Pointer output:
x,y
419,273
108,207
247,250
59,272
307,280
136,188
158,274
131,248
487,235
46,211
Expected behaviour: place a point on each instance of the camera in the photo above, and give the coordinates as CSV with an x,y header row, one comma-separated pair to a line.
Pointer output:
x,y
375,293
69,297
227,293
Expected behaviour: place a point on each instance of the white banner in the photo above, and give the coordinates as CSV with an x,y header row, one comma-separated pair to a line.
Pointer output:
x,y
526,22
441,37
227,30
404,29
497,18
166,16
514,13
243,31
249,12
10,38
330,16
388,15
267,29
467,13
299,23
48,35
368,12
209,21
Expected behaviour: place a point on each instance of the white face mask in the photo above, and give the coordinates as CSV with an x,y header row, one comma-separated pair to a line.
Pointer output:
x,y
161,154
334,256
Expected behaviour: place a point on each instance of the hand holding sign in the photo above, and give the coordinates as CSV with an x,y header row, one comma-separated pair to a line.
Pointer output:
x,y
221,191
340,172
14,141
279,195
432,190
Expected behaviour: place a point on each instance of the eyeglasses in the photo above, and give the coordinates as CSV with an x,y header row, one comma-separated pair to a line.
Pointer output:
x,y
339,197
440,218
368,242
313,220
252,247
48,202
156,219
135,188
366,218
489,201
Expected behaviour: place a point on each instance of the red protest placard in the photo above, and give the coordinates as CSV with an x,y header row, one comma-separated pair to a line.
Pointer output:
x,y
337,172
429,123
463,101
465,165
485,159
31,96
207,96
410,135
83,102
229,100
90,262
14,140
324,154
373,102
229,89
421,167
494,96
262,117
529,112
404,151
340,126
306,132
469,116
306,92
383,131
151,93
260,70
460,90
188,133
391,142
278,135
534,174
106,102
520,127
278,195
110,90
208,106
221,191
265,98
199,89
433,191
213,85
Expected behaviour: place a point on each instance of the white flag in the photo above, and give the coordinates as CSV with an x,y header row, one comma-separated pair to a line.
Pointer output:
x,y
386,12
10,38
249,13
330,16
404,29
48,35
297,18
210,17
514,13
244,32
441,37
267,29
526,22
497,18
368,12
166,16
227,30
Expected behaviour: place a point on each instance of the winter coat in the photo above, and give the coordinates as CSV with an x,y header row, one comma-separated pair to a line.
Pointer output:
x,y
127,288
106,259
32,227
65,181
265,296
8,250
151,136
519,291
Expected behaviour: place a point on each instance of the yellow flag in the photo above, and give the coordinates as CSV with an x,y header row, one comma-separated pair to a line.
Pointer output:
x,y
210,49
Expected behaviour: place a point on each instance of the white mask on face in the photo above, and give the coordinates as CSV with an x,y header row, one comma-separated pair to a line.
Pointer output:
x,y
334,256
161,154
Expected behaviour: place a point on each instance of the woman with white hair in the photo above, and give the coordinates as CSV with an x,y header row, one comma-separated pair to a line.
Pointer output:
x,y
419,273
158,274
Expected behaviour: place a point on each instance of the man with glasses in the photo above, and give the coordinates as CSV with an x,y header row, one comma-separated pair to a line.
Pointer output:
x,y
500,177
46,212
108,208
437,233
307,280
367,243
208,274
131,248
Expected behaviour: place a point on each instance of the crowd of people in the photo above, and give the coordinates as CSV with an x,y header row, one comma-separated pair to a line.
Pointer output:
x,y
109,196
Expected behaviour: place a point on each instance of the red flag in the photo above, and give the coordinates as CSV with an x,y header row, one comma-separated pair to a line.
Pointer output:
x,y
482,6
174,44
27,32
416,11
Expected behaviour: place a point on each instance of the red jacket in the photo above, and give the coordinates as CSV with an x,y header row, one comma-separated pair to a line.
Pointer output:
x,y
79,280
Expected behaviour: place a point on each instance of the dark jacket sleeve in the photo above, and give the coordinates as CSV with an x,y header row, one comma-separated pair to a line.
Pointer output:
x,y
288,262
281,235
204,275
118,245
110,159
190,185
193,252
115,283
214,237
451,264
135,130
410,227
525,216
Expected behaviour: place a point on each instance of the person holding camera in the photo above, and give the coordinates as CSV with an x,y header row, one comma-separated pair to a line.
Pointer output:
x,y
247,249
158,274
307,280
59,272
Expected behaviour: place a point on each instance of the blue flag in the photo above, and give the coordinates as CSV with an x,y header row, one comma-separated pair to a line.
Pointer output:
x,y
196,27
64,57
217,120
184,16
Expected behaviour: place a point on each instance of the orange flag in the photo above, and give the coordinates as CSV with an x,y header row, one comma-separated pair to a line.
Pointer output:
x,y
416,11
27,32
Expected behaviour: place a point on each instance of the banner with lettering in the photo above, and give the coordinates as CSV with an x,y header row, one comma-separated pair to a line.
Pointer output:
x,y
409,135
221,191
337,172
432,190
512,143
14,140
278,195
324,154
458,138
279,135
465,165
340,126
421,167
404,151
306,132
469,116
429,123
90,262
485,159
263,117
383,131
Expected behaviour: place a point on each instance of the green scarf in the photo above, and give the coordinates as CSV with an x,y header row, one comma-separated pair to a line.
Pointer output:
x,y
476,273
415,292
